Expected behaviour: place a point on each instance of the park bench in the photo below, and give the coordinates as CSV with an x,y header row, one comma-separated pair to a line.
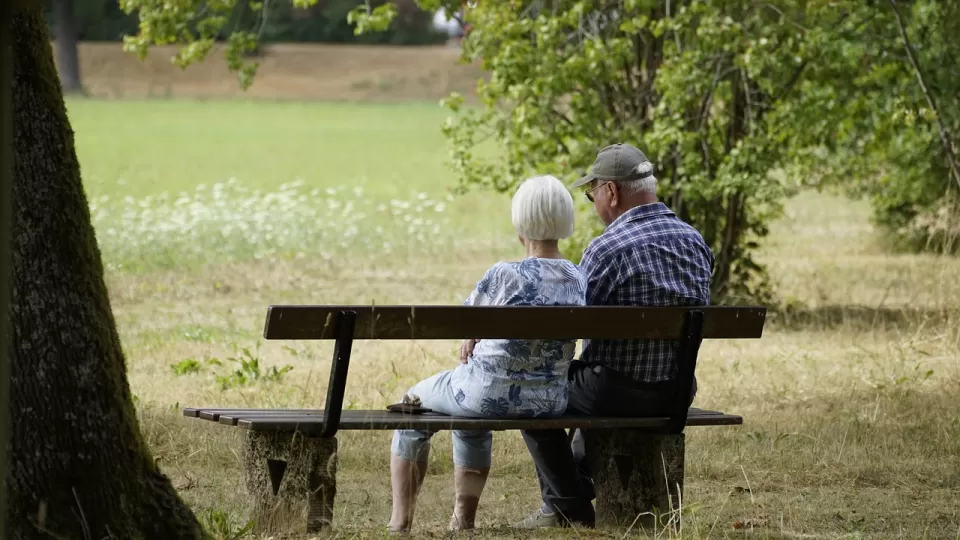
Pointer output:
x,y
291,455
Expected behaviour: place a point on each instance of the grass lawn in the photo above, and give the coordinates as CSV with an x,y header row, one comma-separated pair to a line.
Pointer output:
x,y
208,211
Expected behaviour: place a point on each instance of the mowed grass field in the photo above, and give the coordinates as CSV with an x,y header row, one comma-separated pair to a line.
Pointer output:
x,y
209,211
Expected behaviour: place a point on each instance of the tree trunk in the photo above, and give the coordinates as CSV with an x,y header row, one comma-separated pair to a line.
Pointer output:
x,y
68,60
78,466
6,179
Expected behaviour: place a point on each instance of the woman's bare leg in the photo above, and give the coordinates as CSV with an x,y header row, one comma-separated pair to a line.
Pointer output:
x,y
468,485
406,477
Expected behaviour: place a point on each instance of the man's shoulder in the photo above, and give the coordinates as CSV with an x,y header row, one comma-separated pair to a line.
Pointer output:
x,y
665,229
607,244
632,235
640,243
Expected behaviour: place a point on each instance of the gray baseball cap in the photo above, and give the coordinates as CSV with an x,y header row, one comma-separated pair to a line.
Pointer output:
x,y
617,162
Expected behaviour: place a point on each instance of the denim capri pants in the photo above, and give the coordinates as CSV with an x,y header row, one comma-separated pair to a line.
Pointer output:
x,y
472,449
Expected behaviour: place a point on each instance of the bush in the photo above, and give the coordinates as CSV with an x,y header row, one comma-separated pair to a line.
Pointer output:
x,y
325,22
709,92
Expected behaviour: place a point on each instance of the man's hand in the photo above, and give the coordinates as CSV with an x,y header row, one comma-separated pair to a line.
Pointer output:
x,y
466,349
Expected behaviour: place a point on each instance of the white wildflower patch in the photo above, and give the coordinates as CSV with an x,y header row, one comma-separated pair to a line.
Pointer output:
x,y
228,222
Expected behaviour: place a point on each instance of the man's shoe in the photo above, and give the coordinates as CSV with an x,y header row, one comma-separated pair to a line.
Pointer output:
x,y
539,520
544,519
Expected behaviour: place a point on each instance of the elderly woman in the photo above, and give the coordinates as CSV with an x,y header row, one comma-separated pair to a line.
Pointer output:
x,y
498,377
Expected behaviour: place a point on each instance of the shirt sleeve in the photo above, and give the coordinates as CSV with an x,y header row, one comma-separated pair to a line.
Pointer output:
x,y
472,298
482,294
602,275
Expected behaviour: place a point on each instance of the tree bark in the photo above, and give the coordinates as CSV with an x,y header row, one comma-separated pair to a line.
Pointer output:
x,y
68,59
78,466
6,179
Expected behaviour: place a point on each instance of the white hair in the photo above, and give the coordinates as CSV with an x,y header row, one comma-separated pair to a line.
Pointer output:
x,y
542,209
644,185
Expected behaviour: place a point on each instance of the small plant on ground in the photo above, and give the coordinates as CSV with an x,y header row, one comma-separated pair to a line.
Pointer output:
x,y
221,525
186,366
192,365
249,370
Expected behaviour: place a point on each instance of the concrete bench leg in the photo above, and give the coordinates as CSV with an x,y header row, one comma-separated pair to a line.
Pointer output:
x,y
636,473
291,478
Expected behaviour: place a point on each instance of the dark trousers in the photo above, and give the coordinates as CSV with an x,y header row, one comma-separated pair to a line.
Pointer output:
x,y
563,467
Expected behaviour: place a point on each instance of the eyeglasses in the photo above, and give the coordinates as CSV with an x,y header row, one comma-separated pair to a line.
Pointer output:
x,y
589,192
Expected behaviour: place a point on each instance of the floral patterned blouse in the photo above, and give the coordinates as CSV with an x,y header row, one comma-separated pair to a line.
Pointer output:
x,y
512,377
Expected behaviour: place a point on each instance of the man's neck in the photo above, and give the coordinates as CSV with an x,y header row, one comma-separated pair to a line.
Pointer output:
x,y
636,201
641,199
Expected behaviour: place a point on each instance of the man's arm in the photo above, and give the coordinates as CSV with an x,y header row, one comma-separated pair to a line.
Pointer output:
x,y
602,273
602,277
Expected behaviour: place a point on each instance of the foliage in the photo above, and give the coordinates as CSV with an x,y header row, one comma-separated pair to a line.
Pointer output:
x,y
186,366
275,21
198,25
889,145
328,21
249,370
712,92
223,526
720,95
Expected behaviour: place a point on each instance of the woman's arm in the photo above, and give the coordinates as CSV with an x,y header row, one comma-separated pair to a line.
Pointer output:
x,y
480,296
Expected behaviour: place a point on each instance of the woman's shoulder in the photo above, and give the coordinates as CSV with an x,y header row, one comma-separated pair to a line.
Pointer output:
x,y
521,268
500,268
567,268
500,274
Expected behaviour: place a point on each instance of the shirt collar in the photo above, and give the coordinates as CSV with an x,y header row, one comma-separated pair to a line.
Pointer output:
x,y
644,211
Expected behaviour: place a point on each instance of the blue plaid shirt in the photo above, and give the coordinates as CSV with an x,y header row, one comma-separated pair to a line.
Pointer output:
x,y
646,257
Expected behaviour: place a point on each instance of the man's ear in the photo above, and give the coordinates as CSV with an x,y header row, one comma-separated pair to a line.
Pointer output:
x,y
614,194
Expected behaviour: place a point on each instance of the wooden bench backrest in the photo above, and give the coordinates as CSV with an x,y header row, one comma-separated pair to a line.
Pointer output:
x,y
511,322
689,325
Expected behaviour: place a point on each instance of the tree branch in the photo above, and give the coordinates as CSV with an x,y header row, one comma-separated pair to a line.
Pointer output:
x,y
945,139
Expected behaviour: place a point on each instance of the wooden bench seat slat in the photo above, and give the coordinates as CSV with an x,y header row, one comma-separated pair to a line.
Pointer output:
x,y
214,414
230,418
511,322
309,421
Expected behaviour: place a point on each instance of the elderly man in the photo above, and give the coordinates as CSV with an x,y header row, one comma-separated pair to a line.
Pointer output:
x,y
646,256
